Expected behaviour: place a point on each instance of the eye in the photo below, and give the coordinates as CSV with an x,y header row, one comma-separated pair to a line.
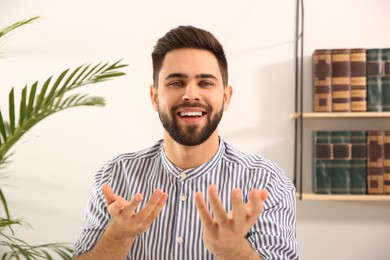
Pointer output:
x,y
206,84
175,83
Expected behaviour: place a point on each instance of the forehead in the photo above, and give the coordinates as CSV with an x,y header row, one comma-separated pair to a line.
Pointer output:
x,y
190,61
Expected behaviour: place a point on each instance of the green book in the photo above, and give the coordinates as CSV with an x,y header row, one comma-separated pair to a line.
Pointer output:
x,y
341,163
374,68
341,176
374,62
386,61
322,183
385,93
374,93
358,162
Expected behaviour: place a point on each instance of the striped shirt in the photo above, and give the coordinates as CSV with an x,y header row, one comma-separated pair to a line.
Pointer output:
x,y
177,231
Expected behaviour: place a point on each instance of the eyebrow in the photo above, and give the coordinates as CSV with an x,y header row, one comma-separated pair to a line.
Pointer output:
x,y
182,75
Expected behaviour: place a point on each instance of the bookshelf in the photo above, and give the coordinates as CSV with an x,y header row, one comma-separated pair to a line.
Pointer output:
x,y
340,197
302,133
341,115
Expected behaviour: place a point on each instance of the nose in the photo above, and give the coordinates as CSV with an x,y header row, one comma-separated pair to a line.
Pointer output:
x,y
191,93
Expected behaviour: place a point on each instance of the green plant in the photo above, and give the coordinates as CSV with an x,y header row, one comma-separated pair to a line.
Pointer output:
x,y
37,102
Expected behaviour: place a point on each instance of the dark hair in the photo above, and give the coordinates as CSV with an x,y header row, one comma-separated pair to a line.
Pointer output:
x,y
188,37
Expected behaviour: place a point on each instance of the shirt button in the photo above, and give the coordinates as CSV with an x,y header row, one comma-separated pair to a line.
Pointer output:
x,y
180,240
183,175
183,197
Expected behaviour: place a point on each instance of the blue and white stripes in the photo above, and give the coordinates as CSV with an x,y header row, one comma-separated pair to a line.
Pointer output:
x,y
177,232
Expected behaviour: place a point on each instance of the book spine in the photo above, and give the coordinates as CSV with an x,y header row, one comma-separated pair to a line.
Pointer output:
x,y
341,163
385,93
358,80
322,158
386,62
386,162
374,74
322,81
374,62
358,162
375,162
374,93
341,86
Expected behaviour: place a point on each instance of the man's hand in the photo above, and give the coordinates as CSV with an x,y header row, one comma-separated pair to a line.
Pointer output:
x,y
224,235
126,222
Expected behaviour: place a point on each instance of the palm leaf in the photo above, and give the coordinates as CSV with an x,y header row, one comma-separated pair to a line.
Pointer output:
x,y
11,107
51,99
13,26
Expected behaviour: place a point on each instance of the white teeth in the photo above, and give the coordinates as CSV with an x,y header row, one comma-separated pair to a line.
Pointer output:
x,y
190,113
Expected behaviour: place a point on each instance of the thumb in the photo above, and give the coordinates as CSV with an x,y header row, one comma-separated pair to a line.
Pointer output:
x,y
108,194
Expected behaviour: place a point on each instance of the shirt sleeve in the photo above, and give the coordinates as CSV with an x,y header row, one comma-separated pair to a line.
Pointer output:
x,y
274,234
96,216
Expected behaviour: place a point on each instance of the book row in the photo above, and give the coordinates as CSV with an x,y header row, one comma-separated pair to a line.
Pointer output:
x,y
351,80
351,162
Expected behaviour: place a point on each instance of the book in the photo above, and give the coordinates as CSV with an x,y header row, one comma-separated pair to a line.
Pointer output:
x,y
374,79
341,163
385,93
386,162
322,158
341,96
358,162
374,93
386,62
374,62
375,162
358,80
322,81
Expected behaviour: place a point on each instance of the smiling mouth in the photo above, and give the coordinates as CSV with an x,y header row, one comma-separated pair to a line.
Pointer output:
x,y
191,114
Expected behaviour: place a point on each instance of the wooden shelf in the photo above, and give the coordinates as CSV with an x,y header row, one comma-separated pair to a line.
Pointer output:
x,y
342,115
342,197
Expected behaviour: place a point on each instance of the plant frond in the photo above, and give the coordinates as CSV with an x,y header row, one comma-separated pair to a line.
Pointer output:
x,y
31,100
13,26
18,248
2,129
11,101
22,109
41,95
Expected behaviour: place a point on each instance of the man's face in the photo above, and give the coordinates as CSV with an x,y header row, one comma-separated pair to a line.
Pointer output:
x,y
190,97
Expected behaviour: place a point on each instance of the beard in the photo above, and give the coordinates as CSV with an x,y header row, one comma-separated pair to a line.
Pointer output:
x,y
191,135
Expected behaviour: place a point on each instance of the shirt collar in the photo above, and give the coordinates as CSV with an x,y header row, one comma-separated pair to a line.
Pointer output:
x,y
193,172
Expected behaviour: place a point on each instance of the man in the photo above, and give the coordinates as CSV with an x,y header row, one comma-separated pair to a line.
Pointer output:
x,y
192,195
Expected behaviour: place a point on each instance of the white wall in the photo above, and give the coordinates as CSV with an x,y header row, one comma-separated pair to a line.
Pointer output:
x,y
52,169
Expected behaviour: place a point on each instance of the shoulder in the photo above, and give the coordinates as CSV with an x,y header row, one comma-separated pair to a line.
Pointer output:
x,y
144,154
276,182
126,162
251,161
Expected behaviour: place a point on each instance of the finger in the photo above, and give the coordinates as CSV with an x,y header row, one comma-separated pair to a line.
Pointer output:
x,y
255,204
204,214
157,209
239,212
147,210
130,207
216,205
264,195
108,194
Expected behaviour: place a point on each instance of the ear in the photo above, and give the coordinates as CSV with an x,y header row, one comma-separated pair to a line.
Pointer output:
x,y
227,96
153,97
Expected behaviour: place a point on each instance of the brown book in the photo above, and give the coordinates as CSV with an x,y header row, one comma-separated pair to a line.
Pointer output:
x,y
375,158
341,85
386,162
322,81
358,80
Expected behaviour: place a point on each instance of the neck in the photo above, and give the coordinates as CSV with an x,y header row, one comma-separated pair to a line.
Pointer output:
x,y
186,157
